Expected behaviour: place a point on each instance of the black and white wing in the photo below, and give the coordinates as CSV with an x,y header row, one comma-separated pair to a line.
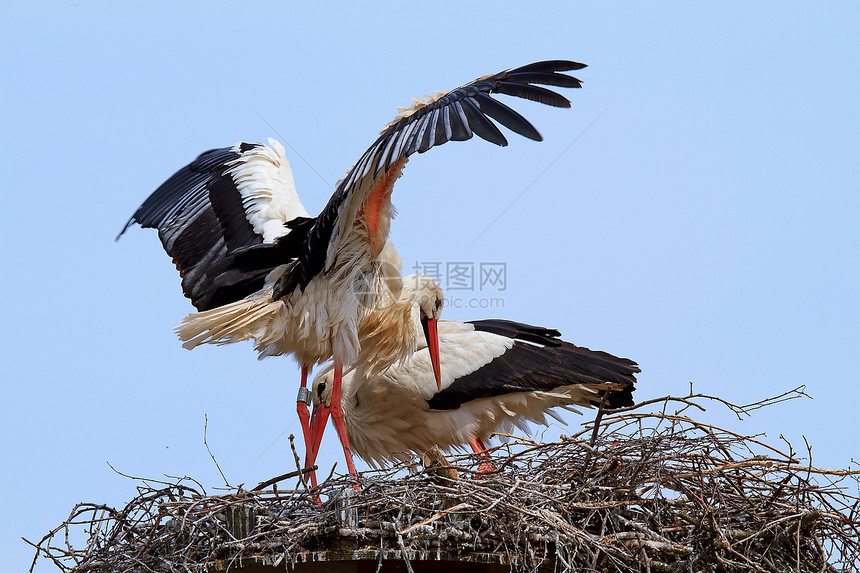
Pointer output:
x,y
227,199
536,360
453,116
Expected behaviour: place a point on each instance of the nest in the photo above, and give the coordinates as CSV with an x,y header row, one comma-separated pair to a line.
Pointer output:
x,y
636,490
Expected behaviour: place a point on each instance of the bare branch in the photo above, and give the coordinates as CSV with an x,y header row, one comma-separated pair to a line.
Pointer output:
x,y
205,428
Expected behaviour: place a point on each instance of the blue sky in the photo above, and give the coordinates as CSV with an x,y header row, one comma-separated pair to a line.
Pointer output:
x,y
696,210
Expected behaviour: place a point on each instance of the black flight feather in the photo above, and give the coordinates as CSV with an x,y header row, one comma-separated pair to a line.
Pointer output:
x,y
534,93
200,219
449,118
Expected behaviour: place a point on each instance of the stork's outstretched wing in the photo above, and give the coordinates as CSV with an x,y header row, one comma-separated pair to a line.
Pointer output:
x,y
434,120
537,359
232,215
226,199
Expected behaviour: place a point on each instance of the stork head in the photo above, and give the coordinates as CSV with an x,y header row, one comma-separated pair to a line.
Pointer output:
x,y
321,388
429,299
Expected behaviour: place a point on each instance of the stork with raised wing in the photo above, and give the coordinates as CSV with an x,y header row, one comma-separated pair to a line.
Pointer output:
x,y
255,265
495,374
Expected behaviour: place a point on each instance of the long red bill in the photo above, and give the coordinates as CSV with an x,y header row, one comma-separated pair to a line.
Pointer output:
x,y
317,428
432,336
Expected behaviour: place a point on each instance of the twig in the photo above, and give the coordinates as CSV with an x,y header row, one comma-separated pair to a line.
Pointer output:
x,y
433,518
205,428
596,424
263,485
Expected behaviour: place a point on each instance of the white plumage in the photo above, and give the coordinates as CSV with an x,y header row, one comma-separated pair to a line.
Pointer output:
x,y
265,182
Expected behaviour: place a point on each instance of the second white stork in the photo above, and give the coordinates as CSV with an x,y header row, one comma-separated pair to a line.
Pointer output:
x,y
257,267
411,314
495,374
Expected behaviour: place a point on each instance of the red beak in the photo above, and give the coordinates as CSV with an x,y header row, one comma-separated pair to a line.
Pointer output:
x,y
432,336
317,428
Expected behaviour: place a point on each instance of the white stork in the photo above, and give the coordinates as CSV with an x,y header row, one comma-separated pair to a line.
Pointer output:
x,y
495,373
257,267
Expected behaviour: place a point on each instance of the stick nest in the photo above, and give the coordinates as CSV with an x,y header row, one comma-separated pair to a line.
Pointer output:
x,y
635,491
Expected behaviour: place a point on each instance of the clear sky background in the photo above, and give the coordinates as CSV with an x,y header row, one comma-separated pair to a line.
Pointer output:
x,y
696,210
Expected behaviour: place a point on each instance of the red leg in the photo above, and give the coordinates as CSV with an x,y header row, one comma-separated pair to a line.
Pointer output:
x,y
479,448
311,475
337,417
317,428
304,417
302,406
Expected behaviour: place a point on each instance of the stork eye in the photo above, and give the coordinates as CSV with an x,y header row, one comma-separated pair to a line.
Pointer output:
x,y
438,304
321,389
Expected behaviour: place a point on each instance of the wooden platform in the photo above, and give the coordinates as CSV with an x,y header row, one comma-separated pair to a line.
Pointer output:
x,y
368,561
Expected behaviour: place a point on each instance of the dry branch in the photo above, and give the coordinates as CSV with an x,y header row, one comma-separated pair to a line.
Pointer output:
x,y
647,491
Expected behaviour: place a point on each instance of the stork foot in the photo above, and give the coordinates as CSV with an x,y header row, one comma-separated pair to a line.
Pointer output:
x,y
486,464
